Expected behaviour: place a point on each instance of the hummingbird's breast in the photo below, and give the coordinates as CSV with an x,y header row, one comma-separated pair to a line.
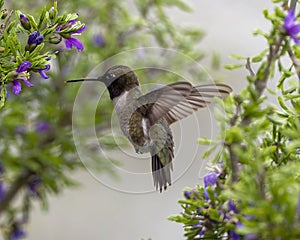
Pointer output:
x,y
125,106
133,123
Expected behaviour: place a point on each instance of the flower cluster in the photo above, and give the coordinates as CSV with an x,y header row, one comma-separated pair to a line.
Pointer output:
x,y
213,214
66,31
22,75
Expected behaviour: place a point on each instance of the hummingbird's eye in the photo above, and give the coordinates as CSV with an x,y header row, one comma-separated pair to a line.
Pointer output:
x,y
110,76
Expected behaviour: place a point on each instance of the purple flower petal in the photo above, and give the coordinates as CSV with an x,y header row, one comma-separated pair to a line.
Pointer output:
x,y
2,191
43,74
205,194
233,235
290,26
190,193
72,22
289,19
80,30
35,38
231,206
58,28
27,83
98,40
202,232
42,126
294,30
33,185
296,40
74,42
25,22
251,236
17,87
24,66
23,17
21,129
17,233
68,44
210,179
43,71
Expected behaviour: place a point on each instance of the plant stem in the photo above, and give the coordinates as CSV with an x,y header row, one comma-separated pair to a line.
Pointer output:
x,y
20,182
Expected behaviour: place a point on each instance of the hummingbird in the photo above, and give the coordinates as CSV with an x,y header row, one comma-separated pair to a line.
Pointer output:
x,y
145,119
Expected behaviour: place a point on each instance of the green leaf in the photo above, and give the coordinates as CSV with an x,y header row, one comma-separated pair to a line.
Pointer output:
x,y
259,57
32,22
233,66
285,108
2,96
276,119
238,57
213,214
42,18
206,141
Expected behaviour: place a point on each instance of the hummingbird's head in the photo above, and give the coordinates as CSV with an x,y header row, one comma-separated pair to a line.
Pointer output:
x,y
117,79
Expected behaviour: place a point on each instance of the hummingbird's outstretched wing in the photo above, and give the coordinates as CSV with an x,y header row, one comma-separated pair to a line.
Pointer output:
x,y
157,103
199,97
179,100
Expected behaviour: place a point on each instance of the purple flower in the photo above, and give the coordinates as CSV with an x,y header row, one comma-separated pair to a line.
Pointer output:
x,y
233,235
20,129
24,66
2,187
33,185
16,85
43,71
98,40
251,236
69,40
17,232
35,38
290,26
231,206
42,126
210,179
2,191
80,30
202,232
190,193
73,42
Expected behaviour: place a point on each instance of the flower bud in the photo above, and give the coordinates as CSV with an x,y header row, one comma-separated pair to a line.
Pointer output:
x,y
25,22
34,39
55,39
52,13
3,13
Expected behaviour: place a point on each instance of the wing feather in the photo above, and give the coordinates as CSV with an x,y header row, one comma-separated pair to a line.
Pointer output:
x,y
179,100
159,101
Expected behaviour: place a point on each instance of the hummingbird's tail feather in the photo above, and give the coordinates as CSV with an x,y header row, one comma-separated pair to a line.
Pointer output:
x,y
162,156
161,174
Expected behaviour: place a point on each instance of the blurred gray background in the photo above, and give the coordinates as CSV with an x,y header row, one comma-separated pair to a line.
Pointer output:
x,y
95,211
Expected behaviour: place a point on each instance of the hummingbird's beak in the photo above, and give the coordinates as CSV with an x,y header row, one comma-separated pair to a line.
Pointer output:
x,y
83,80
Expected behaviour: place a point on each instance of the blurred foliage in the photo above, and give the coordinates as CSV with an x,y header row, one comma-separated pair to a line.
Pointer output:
x,y
37,151
255,189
